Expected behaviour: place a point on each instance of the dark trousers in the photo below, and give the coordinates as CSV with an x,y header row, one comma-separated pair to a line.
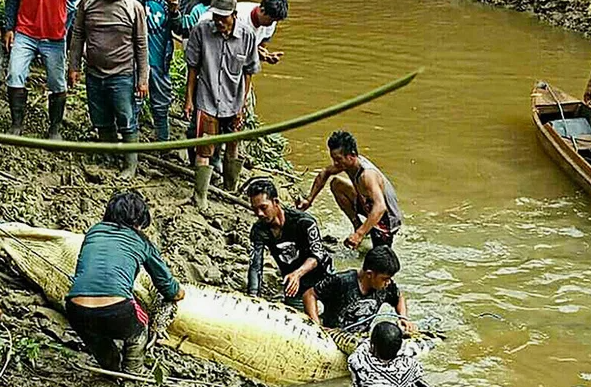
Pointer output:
x,y
111,103
100,328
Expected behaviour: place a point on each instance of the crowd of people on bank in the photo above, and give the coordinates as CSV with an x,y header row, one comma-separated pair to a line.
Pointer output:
x,y
125,48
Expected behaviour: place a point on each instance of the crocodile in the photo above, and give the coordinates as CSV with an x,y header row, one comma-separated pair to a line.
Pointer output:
x,y
266,341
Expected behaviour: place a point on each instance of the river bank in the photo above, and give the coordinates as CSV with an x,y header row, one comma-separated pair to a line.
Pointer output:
x,y
573,15
70,192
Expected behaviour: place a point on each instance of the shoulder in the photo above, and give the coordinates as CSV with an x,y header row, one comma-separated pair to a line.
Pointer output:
x,y
244,30
258,230
301,217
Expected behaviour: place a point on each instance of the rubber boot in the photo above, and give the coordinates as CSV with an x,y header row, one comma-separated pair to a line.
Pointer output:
x,y
202,177
57,105
17,99
134,349
232,168
215,160
130,165
108,135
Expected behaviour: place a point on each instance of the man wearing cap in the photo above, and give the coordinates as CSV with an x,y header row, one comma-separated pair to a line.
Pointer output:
x,y
262,18
221,56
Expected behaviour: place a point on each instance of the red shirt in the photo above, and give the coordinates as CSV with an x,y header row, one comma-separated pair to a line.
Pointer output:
x,y
42,19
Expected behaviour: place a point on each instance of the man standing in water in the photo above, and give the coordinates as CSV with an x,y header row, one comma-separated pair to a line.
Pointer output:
x,y
293,239
368,193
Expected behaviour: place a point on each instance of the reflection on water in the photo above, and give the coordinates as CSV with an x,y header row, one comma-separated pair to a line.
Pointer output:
x,y
495,242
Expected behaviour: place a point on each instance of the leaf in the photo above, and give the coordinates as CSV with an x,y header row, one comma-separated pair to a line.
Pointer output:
x,y
160,374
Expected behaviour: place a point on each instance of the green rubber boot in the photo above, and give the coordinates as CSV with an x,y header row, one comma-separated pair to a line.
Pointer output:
x,y
232,168
130,164
202,177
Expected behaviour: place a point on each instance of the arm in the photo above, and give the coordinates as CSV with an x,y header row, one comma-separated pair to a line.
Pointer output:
x,y
140,46
371,181
190,91
255,269
319,183
174,17
161,277
193,59
313,249
10,14
403,311
292,280
77,45
310,305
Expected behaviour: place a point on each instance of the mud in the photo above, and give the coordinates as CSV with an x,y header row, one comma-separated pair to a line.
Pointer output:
x,y
70,192
574,15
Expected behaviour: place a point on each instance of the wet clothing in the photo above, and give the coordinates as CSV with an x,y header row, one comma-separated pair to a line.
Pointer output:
x,y
344,304
221,64
299,240
244,13
110,259
383,233
367,370
37,19
100,327
116,39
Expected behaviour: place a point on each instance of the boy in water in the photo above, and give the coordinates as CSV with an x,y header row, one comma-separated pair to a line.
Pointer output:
x,y
376,362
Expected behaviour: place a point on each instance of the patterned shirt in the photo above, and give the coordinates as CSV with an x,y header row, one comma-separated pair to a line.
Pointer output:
x,y
299,240
344,304
367,370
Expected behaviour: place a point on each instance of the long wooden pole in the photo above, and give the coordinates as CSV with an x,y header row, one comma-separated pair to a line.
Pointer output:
x,y
102,147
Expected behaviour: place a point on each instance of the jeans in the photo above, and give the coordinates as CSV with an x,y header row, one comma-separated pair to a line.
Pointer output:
x,y
160,86
53,54
111,102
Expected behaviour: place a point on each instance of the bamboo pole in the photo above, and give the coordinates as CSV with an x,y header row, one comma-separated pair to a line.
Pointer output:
x,y
99,147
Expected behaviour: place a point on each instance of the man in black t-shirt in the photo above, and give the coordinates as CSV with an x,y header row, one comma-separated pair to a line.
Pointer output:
x,y
293,239
351,298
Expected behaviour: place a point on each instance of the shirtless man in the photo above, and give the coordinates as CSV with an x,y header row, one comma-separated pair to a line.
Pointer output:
x,y
367,192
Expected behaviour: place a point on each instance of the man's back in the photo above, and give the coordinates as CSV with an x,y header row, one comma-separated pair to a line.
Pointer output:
x,y
345,305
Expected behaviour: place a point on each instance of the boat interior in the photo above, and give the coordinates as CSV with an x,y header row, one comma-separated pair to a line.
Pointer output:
x,y
574,128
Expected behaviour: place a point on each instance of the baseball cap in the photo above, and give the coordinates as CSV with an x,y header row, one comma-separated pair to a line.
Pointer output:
x,y
223,7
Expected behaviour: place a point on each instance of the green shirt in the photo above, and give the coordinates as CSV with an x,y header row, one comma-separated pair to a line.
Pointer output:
x,y
110,259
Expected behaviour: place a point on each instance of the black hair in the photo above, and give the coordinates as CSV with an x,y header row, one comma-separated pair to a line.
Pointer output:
x,y
386,340
262,187
275,9
383,260
344,141
128,209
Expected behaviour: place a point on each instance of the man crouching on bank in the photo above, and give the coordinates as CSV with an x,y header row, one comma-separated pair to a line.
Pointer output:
x,y
100,306
293,239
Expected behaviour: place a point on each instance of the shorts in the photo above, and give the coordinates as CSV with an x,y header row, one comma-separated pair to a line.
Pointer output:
x,y
383,233
207,125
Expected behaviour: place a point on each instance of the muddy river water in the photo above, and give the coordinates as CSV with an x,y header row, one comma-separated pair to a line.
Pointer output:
x,y
495,244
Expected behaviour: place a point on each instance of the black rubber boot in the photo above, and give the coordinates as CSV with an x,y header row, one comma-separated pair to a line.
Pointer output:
x,y
57,105
17,99
130,165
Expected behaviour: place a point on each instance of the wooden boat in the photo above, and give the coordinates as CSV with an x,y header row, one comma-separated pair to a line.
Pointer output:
x,y
564,130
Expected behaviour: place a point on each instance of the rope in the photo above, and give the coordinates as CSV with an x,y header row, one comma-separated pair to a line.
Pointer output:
x,y
102,147
362,321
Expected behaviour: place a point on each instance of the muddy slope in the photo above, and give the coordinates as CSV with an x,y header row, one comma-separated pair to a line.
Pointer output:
x,y
64,191
570,14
